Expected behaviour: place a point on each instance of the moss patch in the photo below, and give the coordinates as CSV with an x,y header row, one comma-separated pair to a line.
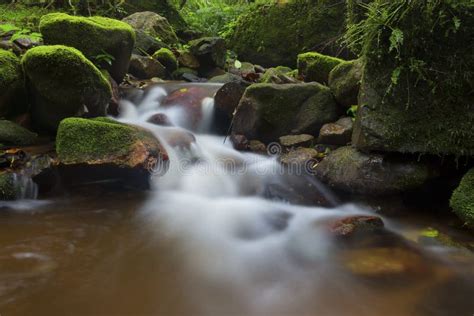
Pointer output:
x,y
12,94
344,81
13,134
462,200
94,37
316,67
8,191
167,59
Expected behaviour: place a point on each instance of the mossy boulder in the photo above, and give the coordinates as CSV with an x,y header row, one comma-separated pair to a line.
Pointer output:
x,y
12,92
274,34
8,188
14,134
62,82
462,200
280,75
103,141
269,111
349,170
167,59
94,37
145,67
344,82
153,24
314,66
414,98
162,7
210,51
145,44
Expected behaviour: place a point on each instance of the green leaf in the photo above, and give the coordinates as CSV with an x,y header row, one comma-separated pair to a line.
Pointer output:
x,y
396,75
396,39
237,64
429,232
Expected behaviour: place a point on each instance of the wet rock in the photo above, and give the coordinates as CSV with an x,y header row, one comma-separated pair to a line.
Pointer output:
x,y
239,142
278,75
163,8
210,51
144,67
349,226
305,157
188,60
160,119
8,189
62,81
190,100
296,140
13,134
268,111
257,147
167,59
316,67
338,133
153,24
113,108
344,82
226,78
178,138
146,44
226,100
462,200
211,72
12,91
349,170
93,36
186,74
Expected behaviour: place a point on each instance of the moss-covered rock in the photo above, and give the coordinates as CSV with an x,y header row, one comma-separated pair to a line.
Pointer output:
x,y
210,51
416,93
153,24
274,34
346,169
162,7
182,73
95,37
103,141
280,75
14,134
145,67
344,82
12,91
462,200
268,111
8,189
167,59
61,82
146,44
314,66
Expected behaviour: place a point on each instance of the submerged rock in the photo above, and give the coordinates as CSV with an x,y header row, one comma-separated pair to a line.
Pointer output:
x,y
62,81
275,33
106,42
14,134
346,169
344,82
462,200
210,51
144,67
160,119
154,25
338,133
12,91
314,66
268,111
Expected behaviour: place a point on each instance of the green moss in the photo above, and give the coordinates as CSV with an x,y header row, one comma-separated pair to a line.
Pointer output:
x,y
316,67
10,70
418,78
7,187
344,81
94,37
12,93
167,59
276,75
13,134
274,34
462,200
81,140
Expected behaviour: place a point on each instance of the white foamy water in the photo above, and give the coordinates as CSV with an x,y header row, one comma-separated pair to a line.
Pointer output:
x,y
211,201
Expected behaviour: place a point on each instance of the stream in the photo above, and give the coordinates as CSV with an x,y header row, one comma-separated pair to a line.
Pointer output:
x,y
220,233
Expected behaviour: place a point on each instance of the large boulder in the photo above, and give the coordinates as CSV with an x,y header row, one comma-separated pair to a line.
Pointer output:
x,y
12,93
268,111
274,34
154,25
348,170
162,7
462,200
62,82
413,97
14,134
210,51
108,43
145,67
314,66
344,82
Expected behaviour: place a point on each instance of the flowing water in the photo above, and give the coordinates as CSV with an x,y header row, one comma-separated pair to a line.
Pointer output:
x,y
213,238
